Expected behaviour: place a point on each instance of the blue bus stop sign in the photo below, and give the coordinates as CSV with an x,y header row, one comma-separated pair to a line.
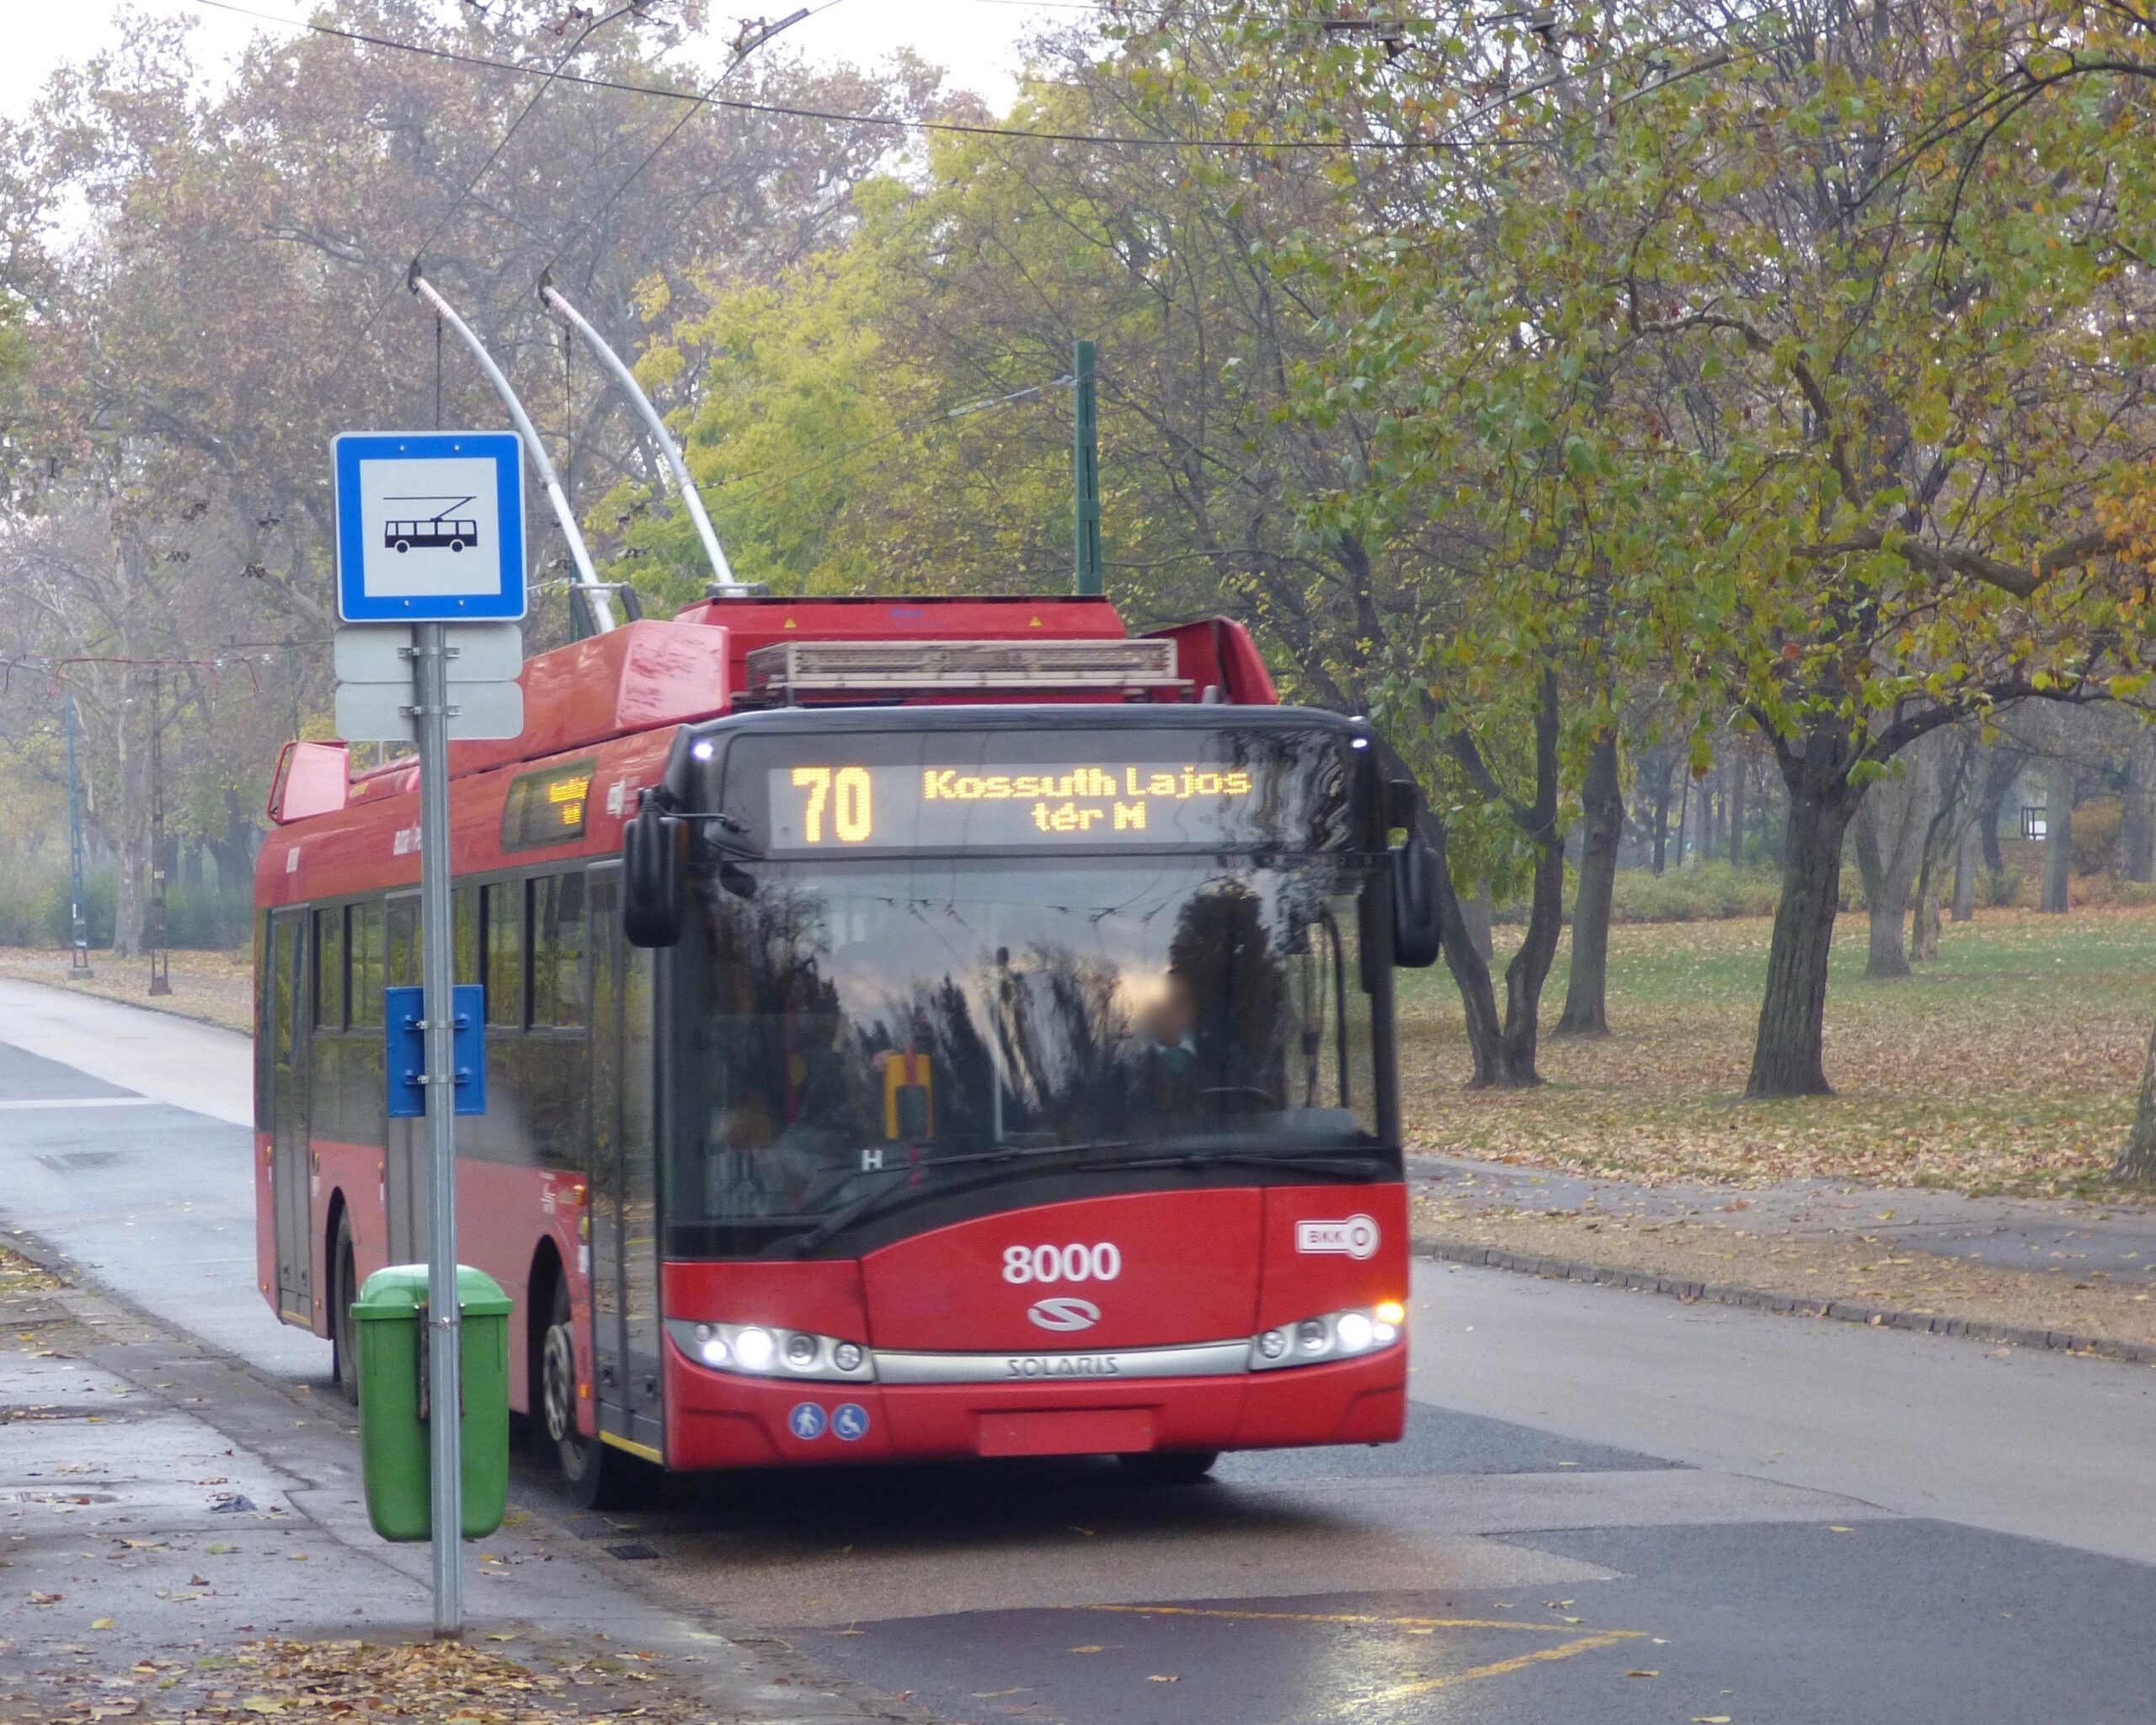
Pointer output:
x,y
430,527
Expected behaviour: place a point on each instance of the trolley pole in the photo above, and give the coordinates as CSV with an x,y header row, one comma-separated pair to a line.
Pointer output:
x,y
1086,475
445,1323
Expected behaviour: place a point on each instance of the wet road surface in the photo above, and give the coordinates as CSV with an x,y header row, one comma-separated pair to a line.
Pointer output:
x,y
1609,1507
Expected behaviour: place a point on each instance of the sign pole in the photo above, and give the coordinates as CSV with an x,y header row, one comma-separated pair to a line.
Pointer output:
x,y
430,717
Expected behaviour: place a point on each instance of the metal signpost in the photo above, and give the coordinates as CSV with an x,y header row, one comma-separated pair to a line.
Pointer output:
x,y
431,583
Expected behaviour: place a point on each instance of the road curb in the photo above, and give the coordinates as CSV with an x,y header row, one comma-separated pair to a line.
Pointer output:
x,y
1565,1269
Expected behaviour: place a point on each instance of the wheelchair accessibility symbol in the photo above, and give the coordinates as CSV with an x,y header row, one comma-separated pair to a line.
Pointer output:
x,y
850,1420
807,1421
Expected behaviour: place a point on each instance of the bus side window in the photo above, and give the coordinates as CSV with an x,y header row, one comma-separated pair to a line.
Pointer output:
x,y
365,942
502,905
464,946
557,983
329,969
404,959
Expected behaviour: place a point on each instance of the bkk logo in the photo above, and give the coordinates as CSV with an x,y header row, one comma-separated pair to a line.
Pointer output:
x,y
1064,1313
1355,1237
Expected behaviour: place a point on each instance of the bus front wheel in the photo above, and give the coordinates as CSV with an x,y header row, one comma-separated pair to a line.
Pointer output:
x,y
596,1476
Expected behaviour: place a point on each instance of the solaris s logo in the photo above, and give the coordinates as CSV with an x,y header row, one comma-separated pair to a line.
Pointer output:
x,y
1064,1312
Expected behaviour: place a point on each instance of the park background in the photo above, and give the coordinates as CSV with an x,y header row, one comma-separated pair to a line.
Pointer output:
x,y
1713,445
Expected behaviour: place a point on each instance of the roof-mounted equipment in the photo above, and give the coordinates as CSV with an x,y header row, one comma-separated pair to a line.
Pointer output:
x,y
790,670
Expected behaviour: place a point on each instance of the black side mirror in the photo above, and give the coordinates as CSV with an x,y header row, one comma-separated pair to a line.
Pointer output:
x,y
1415,928
654,875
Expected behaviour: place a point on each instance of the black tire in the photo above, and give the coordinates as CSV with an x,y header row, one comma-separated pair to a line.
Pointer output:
x,y
404,545
1169,1467
593,1474
343,1333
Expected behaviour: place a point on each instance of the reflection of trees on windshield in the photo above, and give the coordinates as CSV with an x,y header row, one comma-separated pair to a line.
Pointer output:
x,y
1060,1022
840,1024
1221,937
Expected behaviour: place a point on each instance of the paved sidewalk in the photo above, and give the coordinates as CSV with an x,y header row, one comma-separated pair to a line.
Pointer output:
x,y
2060,1234
171,1522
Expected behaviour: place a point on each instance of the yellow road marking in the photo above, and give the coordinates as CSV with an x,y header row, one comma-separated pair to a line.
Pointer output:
x,y
1322,1617
1499,1668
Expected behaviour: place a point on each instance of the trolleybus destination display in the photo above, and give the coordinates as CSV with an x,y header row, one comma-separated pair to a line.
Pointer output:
x,y
818,807
1019,789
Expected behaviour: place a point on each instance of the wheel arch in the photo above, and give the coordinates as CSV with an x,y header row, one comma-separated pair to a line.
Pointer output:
x,y
332,1216
547,1273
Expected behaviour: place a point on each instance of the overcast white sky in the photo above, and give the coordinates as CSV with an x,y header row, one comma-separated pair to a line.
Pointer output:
x,y
976,39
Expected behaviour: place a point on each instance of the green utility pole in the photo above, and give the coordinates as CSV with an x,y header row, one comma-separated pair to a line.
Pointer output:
x,y
1086,477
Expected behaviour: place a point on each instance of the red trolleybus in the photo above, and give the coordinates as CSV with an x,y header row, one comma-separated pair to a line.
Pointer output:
x,y
913,1029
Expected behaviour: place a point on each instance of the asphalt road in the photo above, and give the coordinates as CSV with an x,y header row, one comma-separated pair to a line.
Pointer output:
x,y
1609,1507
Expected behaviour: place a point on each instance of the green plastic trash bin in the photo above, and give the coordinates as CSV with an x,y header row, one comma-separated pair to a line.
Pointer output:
x,y
389,1319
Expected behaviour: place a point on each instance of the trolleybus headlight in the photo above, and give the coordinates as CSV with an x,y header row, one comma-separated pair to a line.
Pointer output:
x,y
1389,1311
767,1351
1332,1336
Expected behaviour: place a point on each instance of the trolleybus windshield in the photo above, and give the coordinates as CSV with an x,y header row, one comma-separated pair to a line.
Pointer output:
x,y
854,1025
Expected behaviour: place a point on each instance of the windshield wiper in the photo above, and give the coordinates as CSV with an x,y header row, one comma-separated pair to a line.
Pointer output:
x,y
888,1197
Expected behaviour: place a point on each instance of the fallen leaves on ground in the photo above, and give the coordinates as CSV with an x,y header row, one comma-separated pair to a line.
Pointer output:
x,y
2010,1064
18,1275
215,986
423,1683
1859,1269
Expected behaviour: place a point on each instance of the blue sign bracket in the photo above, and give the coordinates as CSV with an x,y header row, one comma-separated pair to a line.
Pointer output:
x,y
404,1040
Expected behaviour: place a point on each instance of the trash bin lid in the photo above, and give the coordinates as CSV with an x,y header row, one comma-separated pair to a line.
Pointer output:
x,y
401,1289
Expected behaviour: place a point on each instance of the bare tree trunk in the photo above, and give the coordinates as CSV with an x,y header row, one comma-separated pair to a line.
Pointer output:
x,y
2138,822
1531,965
1469,961
2059,841
1740,769
1788,1057
1478,913
1662,816
1890,827
1683,814
1965,875
1601,827
2137,1160
131,837
1924,926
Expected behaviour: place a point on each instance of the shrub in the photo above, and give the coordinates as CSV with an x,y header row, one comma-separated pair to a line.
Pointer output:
x,y
2096,835
2000,888
1708,894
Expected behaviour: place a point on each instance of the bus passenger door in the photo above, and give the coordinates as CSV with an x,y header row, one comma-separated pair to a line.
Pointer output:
x,y
603,1153
290,1017
624,1213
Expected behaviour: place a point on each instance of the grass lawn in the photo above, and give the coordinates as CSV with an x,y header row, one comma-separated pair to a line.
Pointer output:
x,y
2009,1065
